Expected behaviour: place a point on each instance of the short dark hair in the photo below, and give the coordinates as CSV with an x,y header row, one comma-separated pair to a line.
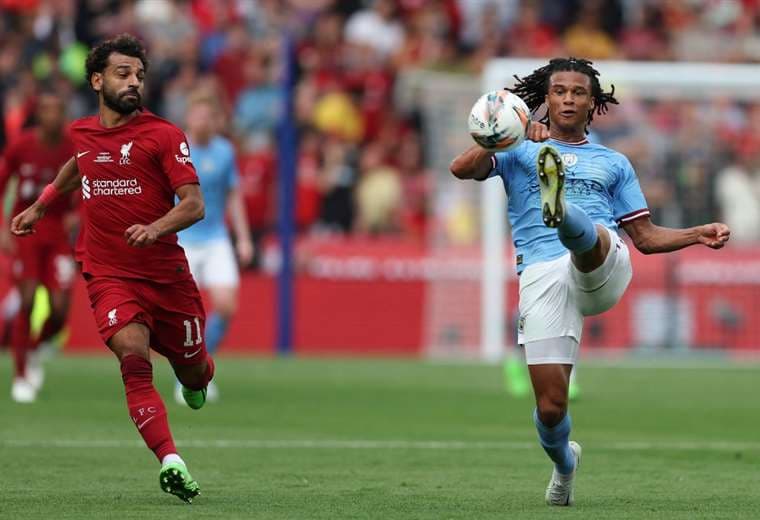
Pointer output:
x,y
125,44
534,87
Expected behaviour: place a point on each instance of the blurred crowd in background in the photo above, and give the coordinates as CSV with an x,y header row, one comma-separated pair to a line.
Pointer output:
x,y
362,161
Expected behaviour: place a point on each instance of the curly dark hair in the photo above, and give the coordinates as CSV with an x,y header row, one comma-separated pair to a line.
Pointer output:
x,y
534,88
125,44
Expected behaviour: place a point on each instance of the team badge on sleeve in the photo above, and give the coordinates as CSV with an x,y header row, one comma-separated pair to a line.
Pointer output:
x,y
185,151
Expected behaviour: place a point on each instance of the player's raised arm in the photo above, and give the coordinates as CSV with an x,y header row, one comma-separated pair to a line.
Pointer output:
x,y
649,238
187,212
67,180
474,163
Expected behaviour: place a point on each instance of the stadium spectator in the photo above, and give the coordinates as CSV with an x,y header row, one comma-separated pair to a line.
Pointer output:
x,y
378,193
416,187
737,190
258,107
529,35
645,37
338,179
377,28
587,37
257,176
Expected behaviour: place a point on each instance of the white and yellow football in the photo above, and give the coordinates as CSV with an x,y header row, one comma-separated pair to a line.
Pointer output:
x,y
499,120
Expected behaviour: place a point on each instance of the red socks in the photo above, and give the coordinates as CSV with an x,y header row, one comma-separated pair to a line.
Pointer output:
x,y
21,341
146,408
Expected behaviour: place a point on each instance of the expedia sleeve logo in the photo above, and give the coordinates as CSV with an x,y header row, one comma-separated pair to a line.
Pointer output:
x,y
185,151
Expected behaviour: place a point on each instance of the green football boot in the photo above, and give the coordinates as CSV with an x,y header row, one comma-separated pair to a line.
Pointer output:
x,y
175,479
195,399
551,183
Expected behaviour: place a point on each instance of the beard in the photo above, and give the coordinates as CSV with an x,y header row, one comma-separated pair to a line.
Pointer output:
x,y
119,103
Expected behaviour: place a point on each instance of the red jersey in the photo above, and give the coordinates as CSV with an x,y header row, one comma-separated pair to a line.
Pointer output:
x,y
129,176
35,164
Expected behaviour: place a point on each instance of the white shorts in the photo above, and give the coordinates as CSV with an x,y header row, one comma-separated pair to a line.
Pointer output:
x,y
555,296
213,263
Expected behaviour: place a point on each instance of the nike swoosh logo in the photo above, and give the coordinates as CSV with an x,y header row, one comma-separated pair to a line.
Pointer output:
x,y
146,421
82,154
191,354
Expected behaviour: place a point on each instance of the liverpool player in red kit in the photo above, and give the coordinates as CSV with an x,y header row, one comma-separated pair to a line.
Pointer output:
x,y
131,164
34,158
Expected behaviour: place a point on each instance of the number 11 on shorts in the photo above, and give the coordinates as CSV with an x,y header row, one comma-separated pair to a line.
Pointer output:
x,y
189,332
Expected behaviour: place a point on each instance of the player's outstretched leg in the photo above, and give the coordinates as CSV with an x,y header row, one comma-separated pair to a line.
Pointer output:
x,y
575,229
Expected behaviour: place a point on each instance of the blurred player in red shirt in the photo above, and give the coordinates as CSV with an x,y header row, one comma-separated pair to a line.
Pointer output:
x,y
34,158
130,165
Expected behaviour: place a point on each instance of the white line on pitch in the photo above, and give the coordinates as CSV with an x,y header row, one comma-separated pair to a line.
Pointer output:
x,y
377,444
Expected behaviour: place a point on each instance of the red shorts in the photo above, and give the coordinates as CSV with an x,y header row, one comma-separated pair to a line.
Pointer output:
x,y
48,263
173,313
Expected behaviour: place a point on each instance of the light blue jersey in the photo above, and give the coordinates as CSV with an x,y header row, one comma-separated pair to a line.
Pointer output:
x,y
599,180
217,171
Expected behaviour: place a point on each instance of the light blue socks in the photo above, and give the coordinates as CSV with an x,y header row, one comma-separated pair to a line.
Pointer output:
x,y
556,443
216,327
577,232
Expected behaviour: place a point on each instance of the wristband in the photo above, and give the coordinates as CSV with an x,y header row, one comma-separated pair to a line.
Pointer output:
x,y
48,195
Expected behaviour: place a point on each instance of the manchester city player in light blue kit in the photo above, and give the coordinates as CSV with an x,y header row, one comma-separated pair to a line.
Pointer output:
x,y
207,243
567,200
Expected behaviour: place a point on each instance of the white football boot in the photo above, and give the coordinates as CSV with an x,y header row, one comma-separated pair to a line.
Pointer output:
x,y
22,391
560,489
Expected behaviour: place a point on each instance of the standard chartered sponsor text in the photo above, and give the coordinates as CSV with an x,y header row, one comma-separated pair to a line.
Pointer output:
x,y
117,187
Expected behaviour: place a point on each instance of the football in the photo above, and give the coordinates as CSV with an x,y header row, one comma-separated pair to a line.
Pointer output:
x,y
499,120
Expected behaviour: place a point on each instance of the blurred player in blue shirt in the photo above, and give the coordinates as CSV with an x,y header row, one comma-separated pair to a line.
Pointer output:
x,y
567,200
207,243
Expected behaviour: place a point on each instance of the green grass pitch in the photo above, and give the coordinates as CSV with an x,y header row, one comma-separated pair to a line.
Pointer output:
x,y
334,439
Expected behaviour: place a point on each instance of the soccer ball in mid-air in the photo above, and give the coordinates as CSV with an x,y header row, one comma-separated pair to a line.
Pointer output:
x,y
499,120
